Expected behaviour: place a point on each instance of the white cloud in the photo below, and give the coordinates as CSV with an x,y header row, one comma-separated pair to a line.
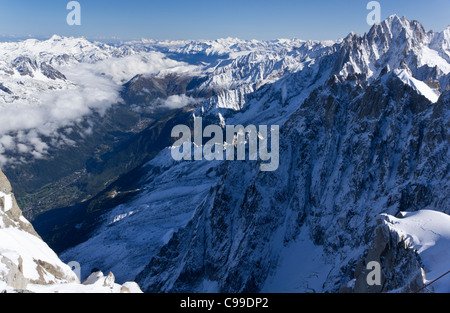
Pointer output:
x,y
86,92
7,142
22,123
178,101
22,148
121,70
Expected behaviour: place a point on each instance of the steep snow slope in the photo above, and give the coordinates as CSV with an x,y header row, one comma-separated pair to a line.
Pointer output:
x,y
25,258
421,88
302,267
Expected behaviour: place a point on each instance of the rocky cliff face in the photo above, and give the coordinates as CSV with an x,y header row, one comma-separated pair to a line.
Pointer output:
x,y
11,214
347,155
401,266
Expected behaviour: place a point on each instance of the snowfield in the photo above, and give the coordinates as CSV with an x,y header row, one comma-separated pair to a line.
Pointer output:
x,y
428,232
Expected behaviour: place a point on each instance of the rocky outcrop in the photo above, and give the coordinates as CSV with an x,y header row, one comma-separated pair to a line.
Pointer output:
x,y
13,216
50,72
13,275
25,66
5,89
401,268
98,280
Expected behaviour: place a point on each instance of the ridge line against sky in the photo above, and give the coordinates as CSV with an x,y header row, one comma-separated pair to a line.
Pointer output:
x,y
210,19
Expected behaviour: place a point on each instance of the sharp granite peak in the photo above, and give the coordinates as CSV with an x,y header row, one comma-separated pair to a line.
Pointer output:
x,y
363,172
27,264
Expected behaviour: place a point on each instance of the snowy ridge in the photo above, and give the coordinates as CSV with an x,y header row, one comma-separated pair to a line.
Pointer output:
x,y
421,87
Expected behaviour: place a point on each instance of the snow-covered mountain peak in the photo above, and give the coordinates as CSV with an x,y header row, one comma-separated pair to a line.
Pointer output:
x,y
441,43
401,27
56,37
398,44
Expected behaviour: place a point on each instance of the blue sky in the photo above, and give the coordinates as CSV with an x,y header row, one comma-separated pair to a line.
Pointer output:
x,y
210,19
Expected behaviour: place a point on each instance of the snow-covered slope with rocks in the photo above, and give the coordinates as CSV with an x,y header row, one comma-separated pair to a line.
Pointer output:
x,y
413,250
27,264
364,132
428,233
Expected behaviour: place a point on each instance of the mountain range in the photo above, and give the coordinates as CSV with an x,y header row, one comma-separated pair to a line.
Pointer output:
x,y
85,136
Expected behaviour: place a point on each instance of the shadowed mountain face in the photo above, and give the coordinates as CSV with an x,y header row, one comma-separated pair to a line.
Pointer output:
x,y
343,162
364,131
